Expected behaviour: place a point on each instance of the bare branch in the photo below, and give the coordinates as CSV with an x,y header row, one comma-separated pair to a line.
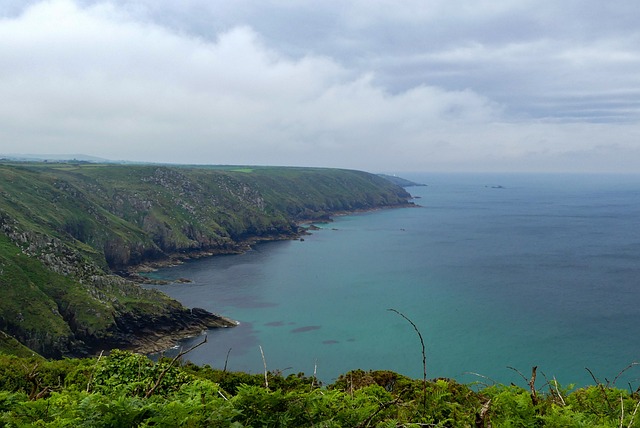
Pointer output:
x,y
493,382
555,384
315,371
534,395
633,416
615,379
601,387
266,381
166,369
424,355
226,360
93,372
520,373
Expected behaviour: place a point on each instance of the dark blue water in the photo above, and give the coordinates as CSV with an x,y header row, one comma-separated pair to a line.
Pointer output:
x,y
544,270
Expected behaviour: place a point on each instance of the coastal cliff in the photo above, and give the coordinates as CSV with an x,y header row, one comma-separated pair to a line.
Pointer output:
x,y
71,233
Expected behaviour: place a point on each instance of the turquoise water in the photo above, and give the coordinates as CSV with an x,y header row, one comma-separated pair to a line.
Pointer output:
x,y
544,270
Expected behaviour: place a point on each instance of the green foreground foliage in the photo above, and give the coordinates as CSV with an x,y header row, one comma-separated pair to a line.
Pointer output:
x,y
129,390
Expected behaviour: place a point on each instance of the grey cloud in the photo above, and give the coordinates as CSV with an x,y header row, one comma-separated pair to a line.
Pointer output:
x,y
504,50
380,86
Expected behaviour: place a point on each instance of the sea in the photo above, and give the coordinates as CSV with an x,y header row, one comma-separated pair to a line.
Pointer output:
x,y
494,273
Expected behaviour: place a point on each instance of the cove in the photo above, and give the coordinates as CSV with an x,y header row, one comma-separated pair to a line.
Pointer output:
x,y
499,272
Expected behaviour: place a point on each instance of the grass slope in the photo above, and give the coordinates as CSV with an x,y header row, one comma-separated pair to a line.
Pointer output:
x,y
68,227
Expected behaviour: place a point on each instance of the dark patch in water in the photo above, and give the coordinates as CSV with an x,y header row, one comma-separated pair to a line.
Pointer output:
x,y
329,342
275,324
303,329
351,340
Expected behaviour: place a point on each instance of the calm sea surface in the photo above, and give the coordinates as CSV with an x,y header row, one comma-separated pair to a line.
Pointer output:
x,y
496,271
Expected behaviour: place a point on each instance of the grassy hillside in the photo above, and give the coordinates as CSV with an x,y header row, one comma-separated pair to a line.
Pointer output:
x,y
67,228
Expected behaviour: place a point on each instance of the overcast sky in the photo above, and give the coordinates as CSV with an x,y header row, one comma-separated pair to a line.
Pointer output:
x,y
383,86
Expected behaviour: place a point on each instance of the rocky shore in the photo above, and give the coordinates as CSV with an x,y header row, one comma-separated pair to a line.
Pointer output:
x,y
159,338
137,272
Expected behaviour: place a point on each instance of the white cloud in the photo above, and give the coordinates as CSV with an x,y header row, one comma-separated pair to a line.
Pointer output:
x,y
103,80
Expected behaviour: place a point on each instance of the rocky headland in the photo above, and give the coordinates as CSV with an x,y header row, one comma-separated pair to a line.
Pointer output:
x,y
75,238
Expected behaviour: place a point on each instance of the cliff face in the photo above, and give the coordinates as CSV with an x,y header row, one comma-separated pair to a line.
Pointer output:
x,y
67,228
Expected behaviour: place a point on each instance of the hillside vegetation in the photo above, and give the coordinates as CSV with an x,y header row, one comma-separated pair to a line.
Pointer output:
x,y
66,229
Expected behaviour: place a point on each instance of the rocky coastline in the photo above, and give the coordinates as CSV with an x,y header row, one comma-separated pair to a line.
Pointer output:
x,y
75,243
162,339
136,272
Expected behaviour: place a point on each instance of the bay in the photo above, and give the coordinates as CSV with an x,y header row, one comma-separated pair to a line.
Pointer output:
x,y
498,272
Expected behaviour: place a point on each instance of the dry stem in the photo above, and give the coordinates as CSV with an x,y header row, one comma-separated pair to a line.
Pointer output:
x,y
226,360
166,369
633,416
424,356
266,381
